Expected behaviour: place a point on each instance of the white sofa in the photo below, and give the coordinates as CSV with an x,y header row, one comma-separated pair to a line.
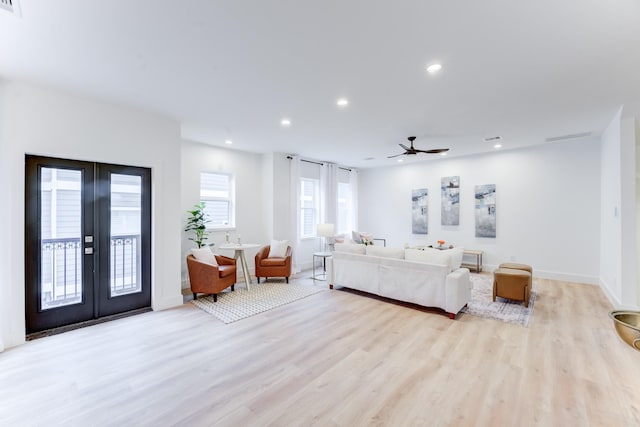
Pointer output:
x,y
429,277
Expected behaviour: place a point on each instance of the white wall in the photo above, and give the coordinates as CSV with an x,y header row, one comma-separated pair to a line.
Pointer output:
x,y
628,254
636,261
247,169
282,209
5,217
610,227
547,206
60,124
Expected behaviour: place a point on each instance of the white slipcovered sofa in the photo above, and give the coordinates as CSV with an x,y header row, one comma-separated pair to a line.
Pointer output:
x,y
428,277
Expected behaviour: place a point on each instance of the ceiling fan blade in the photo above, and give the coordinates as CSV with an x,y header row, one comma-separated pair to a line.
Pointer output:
x,y
404,146
434,151
391,157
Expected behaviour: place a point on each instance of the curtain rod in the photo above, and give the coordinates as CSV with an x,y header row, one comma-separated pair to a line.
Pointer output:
x,y
318,163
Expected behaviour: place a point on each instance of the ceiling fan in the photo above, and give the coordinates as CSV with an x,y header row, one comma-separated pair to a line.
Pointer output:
x,y
408,151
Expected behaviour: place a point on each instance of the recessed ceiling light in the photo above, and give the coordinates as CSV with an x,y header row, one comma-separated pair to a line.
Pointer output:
x,y
228,142
400,160
497,146
285,122
342,102
434,68
443,154
369,158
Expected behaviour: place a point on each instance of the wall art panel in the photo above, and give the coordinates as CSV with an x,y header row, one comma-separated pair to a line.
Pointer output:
x,y
485,210
450,207
419,211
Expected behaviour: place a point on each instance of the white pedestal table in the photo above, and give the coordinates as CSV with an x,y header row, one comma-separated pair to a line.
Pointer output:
x,y
238,254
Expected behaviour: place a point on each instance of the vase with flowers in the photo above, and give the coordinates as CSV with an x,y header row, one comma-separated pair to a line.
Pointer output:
x,y
366,241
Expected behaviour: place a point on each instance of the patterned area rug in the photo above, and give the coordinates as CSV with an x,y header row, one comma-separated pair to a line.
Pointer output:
x,y
239,304
482,304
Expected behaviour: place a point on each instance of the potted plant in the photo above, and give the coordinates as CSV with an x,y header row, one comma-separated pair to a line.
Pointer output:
x,y
197,223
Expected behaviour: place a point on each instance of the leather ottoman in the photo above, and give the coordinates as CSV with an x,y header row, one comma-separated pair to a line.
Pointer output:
x,y
512,284
516,266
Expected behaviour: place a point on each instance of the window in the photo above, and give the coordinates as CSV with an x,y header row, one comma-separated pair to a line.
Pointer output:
x,y
308,206
217,191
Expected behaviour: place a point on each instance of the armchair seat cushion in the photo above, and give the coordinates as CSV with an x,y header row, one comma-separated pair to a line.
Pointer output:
x,y
272,262
226,270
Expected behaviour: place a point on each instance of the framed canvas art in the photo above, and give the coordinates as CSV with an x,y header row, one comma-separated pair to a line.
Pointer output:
x,y
419,211
450,203
485,210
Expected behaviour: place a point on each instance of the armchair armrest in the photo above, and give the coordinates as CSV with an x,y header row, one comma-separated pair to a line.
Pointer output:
x,y
262,254
224,260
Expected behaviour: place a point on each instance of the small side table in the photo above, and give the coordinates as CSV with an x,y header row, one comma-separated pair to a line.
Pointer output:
x,y
239,256
324,256
477,255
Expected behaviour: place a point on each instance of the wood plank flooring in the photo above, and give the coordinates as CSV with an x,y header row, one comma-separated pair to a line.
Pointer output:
x,y
332,359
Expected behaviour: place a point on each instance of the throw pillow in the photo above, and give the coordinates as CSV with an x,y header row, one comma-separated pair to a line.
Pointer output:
x,y
355,236
205,255
278,248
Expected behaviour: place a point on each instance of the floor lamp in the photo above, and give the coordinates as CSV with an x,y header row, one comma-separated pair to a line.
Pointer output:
x,y
325,230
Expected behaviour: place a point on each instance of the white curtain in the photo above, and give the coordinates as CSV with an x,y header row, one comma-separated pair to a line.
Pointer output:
x,y
353,183
328,193
294,202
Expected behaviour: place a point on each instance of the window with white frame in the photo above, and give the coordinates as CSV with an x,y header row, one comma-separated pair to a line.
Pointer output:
x,y
217,190
309,206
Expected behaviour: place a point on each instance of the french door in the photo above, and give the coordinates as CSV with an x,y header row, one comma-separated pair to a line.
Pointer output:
x,y
87,241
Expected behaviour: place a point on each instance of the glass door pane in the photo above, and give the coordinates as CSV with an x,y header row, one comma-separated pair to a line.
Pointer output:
x,y
61,231
126,231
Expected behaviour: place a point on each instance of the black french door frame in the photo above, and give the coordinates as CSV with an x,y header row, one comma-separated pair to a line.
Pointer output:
x,y
95,245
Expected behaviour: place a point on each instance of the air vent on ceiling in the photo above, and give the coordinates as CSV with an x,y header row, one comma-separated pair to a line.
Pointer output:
x,y
492,139
569,136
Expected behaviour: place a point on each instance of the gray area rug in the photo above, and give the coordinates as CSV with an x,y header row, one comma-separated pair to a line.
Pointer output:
x,y
482,304
239,304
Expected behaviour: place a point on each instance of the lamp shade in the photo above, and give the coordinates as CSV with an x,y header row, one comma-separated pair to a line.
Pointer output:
x,y
325,230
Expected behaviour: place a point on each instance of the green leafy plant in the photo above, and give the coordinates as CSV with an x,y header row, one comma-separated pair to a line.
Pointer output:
x,y
197,223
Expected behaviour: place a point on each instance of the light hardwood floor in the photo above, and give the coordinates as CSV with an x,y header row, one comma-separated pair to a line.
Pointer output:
x,y
332,359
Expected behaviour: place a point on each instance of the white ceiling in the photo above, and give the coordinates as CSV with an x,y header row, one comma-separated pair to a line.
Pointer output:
x,y
233,69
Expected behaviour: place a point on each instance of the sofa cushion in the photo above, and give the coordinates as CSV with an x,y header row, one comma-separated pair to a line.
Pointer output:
x,y
385,252
456,257
350,248
428,256
204,254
